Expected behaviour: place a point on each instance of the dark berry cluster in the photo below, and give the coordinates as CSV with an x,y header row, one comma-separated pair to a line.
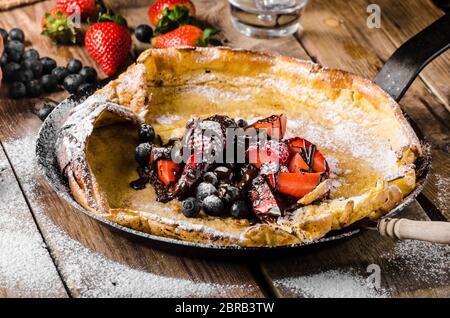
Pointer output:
x,y
30,75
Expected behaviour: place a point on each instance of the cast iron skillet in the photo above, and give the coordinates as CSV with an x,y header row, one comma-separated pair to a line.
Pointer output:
x,y
395,78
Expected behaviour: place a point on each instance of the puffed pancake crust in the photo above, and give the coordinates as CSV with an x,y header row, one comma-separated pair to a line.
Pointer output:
x,y
369,145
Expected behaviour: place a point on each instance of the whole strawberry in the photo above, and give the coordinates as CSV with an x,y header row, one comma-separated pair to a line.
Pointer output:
x,y
186,35
55,24
108,43
87,8
161,8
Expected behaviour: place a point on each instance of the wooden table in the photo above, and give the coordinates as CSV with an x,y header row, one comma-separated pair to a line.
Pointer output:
x,y
48,249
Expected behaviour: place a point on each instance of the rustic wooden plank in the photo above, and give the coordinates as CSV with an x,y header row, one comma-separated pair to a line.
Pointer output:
x,y
26,267
406,268
93,260
337,36
404,22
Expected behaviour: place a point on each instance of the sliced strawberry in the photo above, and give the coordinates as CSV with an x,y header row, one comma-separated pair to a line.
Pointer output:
x,y
263,200
167,171
296,184
309,153
270,151
274,125
297,164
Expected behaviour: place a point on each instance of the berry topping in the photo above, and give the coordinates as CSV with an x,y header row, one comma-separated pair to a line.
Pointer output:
x,y
224,174
142,154
211,177
205,189
146,133
168,171
296,184
190,207
239,210
213,205
275,126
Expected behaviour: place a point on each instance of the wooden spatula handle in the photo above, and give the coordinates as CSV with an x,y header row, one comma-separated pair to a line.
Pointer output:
x,y
404,229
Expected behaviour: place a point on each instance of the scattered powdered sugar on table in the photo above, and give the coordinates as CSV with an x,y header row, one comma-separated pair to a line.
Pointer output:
x,y
87,273
26,268
443,188
422,261
331,284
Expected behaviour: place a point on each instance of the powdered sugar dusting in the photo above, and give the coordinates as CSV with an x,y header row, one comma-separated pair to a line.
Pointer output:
x,y
331,284
87,273
424,262
26,268
443,188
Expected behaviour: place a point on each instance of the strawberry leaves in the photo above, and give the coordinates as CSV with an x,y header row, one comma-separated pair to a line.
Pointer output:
x,y
174,18
208,33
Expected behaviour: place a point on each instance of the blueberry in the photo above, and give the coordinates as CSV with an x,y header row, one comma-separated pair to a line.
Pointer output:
x,y
34,88
210,177
223,173
72,82
242,123
31,53
142,154
74,66
89,74
234,192
33,65
44,111
146,133
16,34
239,210
48,64
49,82
85,87
190,207
24,76
14,46
11,70
213,205
143,33
4,35
61,73
14,56
4,60
205,189
17,90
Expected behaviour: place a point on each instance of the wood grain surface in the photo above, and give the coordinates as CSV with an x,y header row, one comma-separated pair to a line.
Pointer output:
x,y
90,260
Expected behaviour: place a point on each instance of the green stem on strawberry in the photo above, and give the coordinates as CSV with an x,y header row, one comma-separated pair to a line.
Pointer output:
x,y
174,18
208,33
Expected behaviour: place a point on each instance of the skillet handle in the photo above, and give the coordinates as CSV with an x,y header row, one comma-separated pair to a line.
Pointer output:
x,y
404,229
406,63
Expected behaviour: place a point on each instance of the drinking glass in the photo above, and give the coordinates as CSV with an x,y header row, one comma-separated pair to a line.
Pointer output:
x,y
267,18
